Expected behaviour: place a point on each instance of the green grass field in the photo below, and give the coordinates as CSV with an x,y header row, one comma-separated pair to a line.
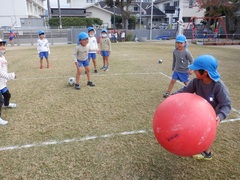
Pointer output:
x,y
105,132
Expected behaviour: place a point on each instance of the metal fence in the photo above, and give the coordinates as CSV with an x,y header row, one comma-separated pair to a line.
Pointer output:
x,y
69,36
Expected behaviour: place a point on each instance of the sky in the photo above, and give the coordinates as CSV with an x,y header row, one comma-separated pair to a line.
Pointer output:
x,y
54,3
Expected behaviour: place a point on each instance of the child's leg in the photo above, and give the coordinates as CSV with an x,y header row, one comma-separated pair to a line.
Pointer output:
x,y
87,70
41,62
106,62
78,75
103,62
94,64
7,97
48,65
1,104
171,85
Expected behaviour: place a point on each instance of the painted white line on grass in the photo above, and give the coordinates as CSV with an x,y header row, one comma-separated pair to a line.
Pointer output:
x,y
54,142
87,138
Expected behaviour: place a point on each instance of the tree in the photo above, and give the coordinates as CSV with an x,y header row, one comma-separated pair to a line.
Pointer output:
x,y
124,7
217,8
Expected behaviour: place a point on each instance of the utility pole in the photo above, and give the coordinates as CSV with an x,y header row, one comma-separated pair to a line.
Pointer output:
x,y
59,14
49,9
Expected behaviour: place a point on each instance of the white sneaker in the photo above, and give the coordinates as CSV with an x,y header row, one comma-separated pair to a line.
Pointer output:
x,y
3,122
11,105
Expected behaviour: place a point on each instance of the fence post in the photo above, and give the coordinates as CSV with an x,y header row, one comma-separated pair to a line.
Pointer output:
x,y
51,37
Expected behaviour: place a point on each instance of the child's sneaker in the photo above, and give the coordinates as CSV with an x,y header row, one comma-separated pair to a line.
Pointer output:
x,y
204,155
103,67
3,122
95,71
106,69
77,86
90,83
167,94
11,105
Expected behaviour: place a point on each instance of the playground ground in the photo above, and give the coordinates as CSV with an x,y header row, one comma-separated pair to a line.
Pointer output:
x,y
105,132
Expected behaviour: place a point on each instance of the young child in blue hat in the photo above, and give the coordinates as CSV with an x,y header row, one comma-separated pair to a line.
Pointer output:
x,y
182,57
92,41
208,85
81,59
43,48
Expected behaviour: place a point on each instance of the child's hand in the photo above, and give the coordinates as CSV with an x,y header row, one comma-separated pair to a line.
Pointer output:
x,y
218,120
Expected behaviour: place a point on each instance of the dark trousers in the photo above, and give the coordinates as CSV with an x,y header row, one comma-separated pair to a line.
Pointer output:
x,y
4,99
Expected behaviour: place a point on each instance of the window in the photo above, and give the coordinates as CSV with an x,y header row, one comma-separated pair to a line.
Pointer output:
x,y
165,5
176,3
191,3
136,8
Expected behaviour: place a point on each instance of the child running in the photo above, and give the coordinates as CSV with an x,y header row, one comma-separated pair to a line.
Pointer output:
x,y
92,54
81,59
181,59
43,48
208,85
4,77
105,46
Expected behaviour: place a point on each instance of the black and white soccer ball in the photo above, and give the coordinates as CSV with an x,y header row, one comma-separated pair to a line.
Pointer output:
x,y
71,81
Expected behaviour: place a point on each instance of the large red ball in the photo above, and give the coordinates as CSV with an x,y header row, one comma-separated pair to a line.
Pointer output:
x,y
185,124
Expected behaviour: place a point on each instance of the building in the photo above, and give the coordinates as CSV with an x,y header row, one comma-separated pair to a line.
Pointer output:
x,y
13,10
184,10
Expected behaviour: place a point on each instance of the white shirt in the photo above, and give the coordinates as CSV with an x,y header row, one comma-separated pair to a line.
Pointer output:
x,y
4,75
43,46
93,46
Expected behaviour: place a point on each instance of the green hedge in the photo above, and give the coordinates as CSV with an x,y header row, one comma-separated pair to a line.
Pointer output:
x,y
75,21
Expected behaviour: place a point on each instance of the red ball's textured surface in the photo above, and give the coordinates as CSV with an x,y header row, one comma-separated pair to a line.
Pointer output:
x,y
185,124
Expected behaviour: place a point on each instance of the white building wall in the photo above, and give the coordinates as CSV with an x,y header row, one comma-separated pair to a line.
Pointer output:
x,y
13,10
104,16
80,3
185,10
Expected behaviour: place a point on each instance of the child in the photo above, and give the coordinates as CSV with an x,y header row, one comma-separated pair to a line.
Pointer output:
x,y
43,48
11,37
105,46
93,47
181,59
123,36
208,85
81,59
4,76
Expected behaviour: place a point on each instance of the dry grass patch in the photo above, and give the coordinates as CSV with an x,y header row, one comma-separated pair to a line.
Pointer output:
x,y
123,100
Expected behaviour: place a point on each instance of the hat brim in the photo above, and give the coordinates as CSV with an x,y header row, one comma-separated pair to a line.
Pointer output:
x,y
214,75
193,67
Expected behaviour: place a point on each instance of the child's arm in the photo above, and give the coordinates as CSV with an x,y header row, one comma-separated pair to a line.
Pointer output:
x,y
110,45
38,46
4,74
48,47
75,54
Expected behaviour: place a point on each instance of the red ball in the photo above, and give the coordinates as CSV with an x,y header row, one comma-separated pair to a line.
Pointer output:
x,y
185,124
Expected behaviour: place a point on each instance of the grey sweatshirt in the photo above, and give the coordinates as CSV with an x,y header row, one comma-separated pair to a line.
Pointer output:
x,y
215,93
181,60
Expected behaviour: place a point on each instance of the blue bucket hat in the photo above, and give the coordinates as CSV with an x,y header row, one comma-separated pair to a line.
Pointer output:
x,y
40,32
90,29
181,38
207,63
82,35
104,30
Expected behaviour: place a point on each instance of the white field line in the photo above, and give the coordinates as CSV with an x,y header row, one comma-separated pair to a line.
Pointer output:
x,y
87,138
55,142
